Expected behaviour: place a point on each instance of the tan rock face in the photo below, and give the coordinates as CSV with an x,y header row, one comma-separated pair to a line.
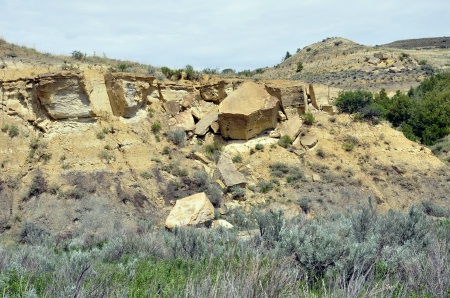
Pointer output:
x,y
19,97
190,211
128,92
247,112
214,92
6,205
291,96
63,95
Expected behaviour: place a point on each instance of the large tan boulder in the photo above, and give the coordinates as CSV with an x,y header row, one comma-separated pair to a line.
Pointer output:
x,y
247,112
190,211
128,92
63,95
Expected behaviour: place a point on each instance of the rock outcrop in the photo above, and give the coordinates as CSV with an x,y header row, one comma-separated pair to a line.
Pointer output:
x,y
247,112
291,96
214,91
63,95
190,211
19,98
128,92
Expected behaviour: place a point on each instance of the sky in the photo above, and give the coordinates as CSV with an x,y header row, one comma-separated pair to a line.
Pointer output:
x,y
237,34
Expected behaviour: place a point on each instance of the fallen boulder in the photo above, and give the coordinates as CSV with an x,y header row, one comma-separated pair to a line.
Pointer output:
x,y
183,121
309,141
373,61
227,172
190,211
290,127
203,125
221,223
247,112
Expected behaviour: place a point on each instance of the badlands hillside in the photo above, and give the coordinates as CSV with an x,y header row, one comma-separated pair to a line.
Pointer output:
x,y
85,147
342,63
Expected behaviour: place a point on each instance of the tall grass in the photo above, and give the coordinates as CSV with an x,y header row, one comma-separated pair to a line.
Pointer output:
x,y
359,254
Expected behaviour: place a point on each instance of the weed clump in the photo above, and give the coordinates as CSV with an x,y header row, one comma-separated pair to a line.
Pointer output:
x,y
285,141
178,137
308,118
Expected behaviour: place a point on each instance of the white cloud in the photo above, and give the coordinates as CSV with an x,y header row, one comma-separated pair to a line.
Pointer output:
x,y
236,34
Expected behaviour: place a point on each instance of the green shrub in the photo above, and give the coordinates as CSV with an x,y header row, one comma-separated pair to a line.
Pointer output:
x,y
237,158
295,175
122,66
422,62
305,204
349,143
434,210
167,72
178,137
106,155
214,150
237,192
353,101
299,66
308,118
265,186
285,141
320,153
279,169
77,55
156,127
33,234
348,146
287,56
38,185
100,135
270,225
203,182
259,146
146,175
13,131
5,128
190,73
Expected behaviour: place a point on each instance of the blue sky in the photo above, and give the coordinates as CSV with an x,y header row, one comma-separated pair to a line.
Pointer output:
x,y
239,34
